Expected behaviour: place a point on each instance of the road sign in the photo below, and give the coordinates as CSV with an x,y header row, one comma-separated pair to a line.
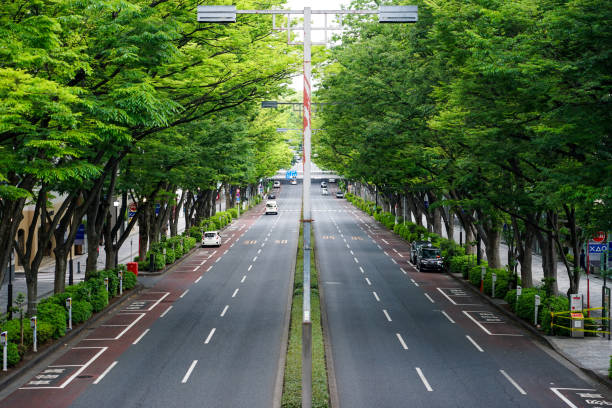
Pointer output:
x,y
597,248
599,237
79,239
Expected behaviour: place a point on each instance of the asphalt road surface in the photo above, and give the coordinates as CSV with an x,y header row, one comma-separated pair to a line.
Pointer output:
x,y
209,334
401,338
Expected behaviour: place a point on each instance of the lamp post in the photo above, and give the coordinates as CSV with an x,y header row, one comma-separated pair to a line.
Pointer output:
x,y
227,14
116,205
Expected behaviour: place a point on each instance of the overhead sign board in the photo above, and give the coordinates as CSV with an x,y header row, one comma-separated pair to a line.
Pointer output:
x,y
216,14
398,14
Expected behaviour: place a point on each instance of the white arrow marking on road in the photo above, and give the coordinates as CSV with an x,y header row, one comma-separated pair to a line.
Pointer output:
x,y
224,310
518,387
425,382
166,311
429,297
387,315
186,377
235,292
401,340
110,367
141,336
210,336
475,344
376,296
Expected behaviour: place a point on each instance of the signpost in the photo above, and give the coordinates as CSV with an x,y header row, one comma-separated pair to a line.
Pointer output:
x,y
69,306
519,290
121,281
33,325
605,300
4,344
493,279
535,317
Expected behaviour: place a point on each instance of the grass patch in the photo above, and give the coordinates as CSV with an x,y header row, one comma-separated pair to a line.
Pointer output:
x,y
292,385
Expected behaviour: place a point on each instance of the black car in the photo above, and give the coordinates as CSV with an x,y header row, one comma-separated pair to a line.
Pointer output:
x,y
414,248
429,259
271,196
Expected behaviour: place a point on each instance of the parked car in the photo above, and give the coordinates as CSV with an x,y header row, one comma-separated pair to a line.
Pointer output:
x,y
293,181
277,184
324,191
271,196
429,259
211,238
332,180
339,194
414,247
271,207
323,184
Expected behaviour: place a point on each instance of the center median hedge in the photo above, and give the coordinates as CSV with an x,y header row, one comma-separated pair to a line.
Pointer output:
x,y
52,316
456,261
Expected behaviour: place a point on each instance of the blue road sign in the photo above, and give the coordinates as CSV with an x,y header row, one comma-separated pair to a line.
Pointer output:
x,y
79,239
597,248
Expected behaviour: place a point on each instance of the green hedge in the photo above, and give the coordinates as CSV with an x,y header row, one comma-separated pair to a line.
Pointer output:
x,y
555,304
12,355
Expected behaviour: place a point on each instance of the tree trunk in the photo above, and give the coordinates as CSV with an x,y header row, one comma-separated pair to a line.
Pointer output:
x,y
437,220
492,247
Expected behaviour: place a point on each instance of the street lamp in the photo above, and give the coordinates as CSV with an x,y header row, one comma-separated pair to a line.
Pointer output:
x,y
116,205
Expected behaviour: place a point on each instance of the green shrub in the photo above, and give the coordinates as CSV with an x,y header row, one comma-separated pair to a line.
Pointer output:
x,y
55,315
81,311
233,212
14,331
44,331
195,232
475,273
501,283
98,294
190,243
170,257
129,280
113,280
526,304
12,355
556,304
143,265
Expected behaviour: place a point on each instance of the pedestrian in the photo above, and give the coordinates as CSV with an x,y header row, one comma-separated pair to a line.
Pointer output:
x,y
582,260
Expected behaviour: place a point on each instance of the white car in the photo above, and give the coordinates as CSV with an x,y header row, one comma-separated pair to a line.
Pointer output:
x,y
277,184
293,181
324,191
271,207
211,238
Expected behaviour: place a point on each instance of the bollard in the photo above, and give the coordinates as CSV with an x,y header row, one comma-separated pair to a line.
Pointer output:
x,y
78,267
493,279
519,290
4,344
537,303
120,282
482,275
33,325
152,263
69,306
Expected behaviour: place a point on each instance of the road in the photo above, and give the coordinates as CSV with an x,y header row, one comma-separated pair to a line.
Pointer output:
x,y
208,334
404,338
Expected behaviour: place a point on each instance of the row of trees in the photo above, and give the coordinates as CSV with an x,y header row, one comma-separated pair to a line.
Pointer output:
x,y
132,99
496,112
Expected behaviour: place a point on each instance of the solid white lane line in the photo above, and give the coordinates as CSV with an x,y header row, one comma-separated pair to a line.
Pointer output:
x,y
254,259
356,261
196,268
235,292
259,251
448,317
401,340
369,283
250,267
361,269
188,373
184,293
429,297
166,311
209,268
197,280
393,260
518,387
141,336
403,271
376,296
210,335
352,252
387,315
110,367
243,278
475,344
425,382
224,310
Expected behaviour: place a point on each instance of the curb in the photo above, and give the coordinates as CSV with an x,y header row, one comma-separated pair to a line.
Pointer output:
x,y
536,333
13,376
